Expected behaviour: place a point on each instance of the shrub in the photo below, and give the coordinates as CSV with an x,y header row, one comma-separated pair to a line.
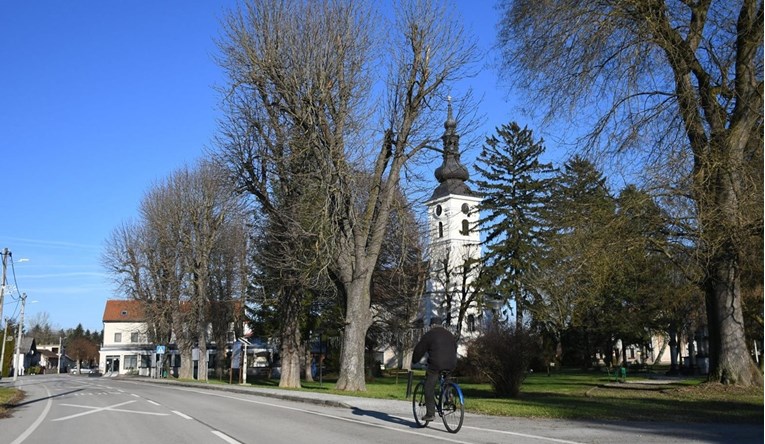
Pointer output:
x,y
503,355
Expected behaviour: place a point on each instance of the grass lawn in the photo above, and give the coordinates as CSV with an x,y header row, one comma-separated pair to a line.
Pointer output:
x,y
589,395
8,396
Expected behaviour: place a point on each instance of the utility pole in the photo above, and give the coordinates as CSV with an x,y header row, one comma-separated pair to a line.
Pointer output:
x,y
58,367
18,341
6,253
2,353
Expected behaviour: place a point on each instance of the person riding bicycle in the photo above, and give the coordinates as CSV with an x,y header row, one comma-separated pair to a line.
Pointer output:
x,y
441,347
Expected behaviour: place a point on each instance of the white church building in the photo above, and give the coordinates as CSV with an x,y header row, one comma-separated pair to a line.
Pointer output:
x,y
454,248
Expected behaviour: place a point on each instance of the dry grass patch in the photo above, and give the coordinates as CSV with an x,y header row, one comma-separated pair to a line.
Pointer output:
x,y
8,398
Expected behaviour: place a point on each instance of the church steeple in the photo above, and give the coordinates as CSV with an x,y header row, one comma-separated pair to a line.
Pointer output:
x,y
451,175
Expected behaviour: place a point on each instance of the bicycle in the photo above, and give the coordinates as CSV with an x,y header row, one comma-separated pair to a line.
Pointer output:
x,y
450,404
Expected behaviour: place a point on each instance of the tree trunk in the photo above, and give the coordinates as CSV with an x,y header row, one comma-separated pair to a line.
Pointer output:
x,y
187,364
728,355
202,365
307,362
290,359
720,224
673,368
357,322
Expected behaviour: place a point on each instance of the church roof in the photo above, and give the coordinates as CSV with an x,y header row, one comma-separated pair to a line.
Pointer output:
x,y
452,174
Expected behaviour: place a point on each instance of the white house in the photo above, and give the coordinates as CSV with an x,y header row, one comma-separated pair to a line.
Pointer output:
x,y
126,348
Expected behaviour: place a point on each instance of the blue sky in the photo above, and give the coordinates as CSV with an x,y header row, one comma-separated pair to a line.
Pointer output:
x,y
98,101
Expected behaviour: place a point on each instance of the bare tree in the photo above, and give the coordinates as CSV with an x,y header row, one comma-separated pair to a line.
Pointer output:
x,y
82,349
398,283
301,76
456,275
40,328
677,84
165,260
228,280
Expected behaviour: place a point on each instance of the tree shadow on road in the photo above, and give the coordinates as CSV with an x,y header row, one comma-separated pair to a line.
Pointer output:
x,y
32,401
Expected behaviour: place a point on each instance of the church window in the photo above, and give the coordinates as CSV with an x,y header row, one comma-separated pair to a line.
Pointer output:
x,y
471,323
465,227
466,208
439,210
440,229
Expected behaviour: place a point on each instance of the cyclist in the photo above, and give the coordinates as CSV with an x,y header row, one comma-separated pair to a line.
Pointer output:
x,y
441,347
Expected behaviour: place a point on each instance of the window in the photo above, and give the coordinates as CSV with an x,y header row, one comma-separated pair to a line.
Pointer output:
x,y
465,227
471,323
131,362
440,229
145,361
439,210
118,337
134,337
465,208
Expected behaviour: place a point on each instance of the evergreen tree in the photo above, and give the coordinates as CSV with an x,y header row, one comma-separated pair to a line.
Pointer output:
x,y
514,185
572,270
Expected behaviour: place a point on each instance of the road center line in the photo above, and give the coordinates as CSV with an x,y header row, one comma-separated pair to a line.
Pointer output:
x,y
327,415
225,437
182,415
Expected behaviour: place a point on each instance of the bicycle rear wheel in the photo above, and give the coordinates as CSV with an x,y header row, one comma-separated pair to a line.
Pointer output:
x,y
418,404
452,408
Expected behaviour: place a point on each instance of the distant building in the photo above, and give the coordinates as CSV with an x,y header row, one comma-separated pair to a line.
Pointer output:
x,y
126,348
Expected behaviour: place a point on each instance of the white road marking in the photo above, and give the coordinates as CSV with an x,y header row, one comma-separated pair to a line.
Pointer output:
x,y
112,408
525,435
134,395
357,421
225,437
182,415
37,422
327,415
152,402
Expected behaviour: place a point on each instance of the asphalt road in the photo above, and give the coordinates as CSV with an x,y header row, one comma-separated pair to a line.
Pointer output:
x,y
78,409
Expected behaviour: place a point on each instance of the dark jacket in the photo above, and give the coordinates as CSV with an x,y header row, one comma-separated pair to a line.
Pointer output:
x,y
441,348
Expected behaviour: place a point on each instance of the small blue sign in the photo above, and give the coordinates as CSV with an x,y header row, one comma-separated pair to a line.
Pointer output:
x,y
161,349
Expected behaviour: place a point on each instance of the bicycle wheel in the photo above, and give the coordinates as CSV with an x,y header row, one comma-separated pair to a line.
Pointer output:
x,y
452,409
418,404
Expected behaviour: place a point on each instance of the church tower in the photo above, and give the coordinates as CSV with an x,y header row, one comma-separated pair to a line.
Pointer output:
x,y
454,240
